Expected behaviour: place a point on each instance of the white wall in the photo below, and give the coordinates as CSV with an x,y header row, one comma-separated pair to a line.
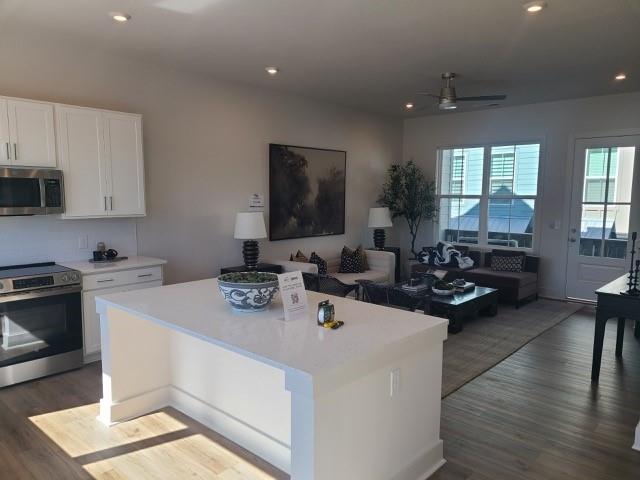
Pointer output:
x,y
206,150
552,123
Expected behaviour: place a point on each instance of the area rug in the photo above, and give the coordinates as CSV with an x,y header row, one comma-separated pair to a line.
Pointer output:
x,y
486,341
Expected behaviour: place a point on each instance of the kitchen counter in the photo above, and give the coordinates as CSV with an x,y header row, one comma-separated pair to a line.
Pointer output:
x,y
362,401
88,268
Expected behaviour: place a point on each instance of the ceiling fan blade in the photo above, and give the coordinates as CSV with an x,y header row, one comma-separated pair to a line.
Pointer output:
x,y
481,98
428,94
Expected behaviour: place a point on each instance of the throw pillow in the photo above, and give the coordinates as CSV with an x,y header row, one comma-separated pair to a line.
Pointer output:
x,y
502,261
299,257
350,261
320,262
363,254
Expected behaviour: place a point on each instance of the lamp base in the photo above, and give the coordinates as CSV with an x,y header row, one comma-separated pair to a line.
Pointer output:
x,y
378,238
250,253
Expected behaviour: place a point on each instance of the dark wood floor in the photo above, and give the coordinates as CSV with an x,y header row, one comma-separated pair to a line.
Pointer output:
x,y
533,416
536,415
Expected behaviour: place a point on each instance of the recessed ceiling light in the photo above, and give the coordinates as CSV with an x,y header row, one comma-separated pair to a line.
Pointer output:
x,y
534,7
621,76
120,17
272,70
409,106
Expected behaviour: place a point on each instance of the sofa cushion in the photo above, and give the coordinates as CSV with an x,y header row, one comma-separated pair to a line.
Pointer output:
x,y
351,261
373,275
298,257
487,277
507,261
320,262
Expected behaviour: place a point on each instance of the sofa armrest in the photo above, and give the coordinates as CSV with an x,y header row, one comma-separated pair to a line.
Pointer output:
x,y
290,266
382,261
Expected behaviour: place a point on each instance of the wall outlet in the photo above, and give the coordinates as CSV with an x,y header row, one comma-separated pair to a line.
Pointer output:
x,y
394,382
83,242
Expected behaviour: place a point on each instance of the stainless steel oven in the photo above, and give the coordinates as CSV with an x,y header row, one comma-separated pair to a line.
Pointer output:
x,y
26,191
40,321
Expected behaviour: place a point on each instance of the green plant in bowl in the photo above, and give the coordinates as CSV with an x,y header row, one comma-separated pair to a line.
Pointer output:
x,y
248,291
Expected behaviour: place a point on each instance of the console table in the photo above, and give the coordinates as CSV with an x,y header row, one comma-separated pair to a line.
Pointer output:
x,y
611,304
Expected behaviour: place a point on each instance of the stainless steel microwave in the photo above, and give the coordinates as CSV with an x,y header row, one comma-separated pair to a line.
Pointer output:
x,y
25,191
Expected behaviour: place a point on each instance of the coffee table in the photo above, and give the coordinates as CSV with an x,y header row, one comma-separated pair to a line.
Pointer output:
x,y
460,306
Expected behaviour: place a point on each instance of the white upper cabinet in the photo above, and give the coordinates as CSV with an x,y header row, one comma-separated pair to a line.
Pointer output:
x,y
27,133
123,141
101,158
82,160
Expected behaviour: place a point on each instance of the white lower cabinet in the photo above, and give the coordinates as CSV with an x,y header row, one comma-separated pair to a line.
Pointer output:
x,y
140,279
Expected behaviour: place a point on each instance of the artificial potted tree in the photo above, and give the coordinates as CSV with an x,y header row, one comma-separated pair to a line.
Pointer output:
x,y
407,193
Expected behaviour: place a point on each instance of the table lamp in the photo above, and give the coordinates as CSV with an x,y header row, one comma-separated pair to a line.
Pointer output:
x,y
249,227
379,219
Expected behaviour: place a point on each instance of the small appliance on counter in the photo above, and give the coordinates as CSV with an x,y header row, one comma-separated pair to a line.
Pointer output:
x,y
102,254
40,321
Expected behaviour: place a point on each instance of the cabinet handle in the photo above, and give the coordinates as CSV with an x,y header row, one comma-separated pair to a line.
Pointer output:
x,y
8,151
145,275
110,202
106,280
105,203
15,151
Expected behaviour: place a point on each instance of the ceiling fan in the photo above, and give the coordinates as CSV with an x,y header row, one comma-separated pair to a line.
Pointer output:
x,y
448,100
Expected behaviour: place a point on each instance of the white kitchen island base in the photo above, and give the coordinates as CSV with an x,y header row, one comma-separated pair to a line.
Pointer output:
x,y
362,402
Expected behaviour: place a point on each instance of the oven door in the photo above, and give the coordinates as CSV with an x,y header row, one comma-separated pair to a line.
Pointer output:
x,y
39,324
21,192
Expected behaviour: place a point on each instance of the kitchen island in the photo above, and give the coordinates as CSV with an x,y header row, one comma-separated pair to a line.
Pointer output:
x,y
360,402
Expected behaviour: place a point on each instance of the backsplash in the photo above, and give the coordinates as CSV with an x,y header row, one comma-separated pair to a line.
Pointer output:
x,y
44,238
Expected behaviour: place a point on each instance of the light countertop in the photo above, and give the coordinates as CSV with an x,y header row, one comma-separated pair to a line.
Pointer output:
x,y
88,268
197,308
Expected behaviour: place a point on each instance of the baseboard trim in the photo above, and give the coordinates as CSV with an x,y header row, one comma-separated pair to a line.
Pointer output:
x,y
424,465
112,413
270,449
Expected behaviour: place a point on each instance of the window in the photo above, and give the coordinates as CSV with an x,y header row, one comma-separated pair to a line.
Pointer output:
x,y
488,194
606,202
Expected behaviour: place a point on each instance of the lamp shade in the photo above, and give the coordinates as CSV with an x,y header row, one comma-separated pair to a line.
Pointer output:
x,y
249,226
379,217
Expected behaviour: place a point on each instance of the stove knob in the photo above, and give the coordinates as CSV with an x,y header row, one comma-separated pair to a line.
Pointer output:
x,y
75,277
1,285
64,278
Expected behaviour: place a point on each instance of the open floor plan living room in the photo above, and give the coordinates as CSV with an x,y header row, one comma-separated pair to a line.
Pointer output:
x,y
320,240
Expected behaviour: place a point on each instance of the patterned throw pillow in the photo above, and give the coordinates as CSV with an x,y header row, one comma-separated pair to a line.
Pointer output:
x,y
299,257
363,255
507,263
320,262
351,261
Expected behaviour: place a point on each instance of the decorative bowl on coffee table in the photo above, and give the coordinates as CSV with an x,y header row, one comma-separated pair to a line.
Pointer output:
x,y
248,291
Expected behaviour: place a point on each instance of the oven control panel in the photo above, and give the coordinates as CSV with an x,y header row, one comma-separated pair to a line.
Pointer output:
x,y
34,282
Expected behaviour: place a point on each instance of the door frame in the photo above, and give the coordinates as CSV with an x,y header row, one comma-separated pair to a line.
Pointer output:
x,y
569,172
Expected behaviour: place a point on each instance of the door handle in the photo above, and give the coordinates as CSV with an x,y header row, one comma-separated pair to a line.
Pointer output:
x,y
15,151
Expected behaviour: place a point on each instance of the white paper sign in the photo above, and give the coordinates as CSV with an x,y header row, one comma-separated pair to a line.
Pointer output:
x,y
256,201
294,295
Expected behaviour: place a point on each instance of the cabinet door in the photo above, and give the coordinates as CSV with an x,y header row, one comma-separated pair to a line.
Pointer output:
x,y
123,141
91,320
83,161
31,133
5,142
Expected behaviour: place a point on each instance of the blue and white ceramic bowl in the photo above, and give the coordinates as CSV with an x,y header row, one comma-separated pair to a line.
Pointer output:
x,y
246,296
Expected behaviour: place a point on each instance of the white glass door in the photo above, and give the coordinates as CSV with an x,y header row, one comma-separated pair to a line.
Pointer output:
x,y
602,216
